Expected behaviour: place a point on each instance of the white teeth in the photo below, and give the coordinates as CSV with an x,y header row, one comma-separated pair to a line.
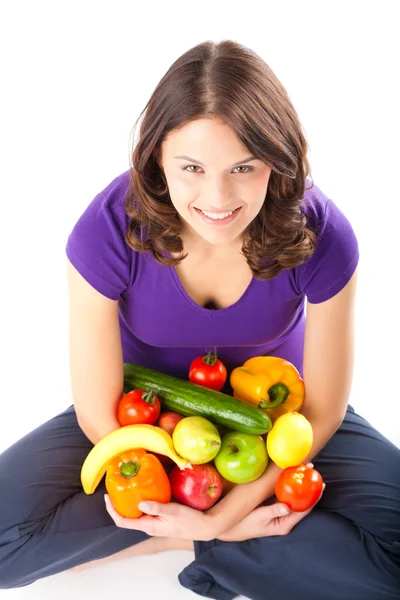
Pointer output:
x,y
217,216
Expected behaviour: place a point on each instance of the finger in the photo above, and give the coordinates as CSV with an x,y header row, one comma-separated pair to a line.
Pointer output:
x,y
305,512
322,491
319,498
279,510
151,508
298,515
121,521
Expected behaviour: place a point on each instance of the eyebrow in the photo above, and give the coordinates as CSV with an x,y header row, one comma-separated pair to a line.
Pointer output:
x,y
245,160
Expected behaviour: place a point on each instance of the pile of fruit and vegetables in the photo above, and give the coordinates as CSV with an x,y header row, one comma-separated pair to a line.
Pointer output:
x,y
187,442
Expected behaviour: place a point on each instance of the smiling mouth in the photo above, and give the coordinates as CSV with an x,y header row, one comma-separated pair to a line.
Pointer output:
x,y
218,220
232,211
219,211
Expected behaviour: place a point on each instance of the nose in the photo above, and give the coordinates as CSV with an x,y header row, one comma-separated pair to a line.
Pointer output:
x,y
218,196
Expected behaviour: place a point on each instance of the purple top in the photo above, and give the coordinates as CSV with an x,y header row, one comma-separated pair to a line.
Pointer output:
x,y
164,329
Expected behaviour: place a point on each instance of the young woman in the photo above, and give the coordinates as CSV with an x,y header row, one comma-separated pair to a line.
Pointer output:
x,y
215,237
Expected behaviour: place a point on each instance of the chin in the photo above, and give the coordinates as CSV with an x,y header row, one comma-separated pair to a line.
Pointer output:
x,y
214,238
220,240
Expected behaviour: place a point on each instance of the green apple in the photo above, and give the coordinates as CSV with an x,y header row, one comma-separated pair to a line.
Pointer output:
x,y
196,439
242,457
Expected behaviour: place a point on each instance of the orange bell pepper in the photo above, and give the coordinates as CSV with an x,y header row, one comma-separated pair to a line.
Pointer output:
x,y
134,476
271,383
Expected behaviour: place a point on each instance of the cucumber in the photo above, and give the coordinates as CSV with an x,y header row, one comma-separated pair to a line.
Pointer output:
x,y
188,399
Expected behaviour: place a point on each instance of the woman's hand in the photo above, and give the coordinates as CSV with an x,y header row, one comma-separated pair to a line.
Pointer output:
x,y
264,521
168,520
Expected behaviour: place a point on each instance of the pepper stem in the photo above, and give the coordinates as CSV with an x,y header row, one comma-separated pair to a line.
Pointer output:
x,y
129,469
277,393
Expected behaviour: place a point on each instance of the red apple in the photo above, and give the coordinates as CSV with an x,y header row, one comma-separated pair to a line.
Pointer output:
x,y
199,487
168,421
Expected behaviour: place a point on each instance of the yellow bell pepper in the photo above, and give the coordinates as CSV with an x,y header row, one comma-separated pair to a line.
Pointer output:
x,y
269,382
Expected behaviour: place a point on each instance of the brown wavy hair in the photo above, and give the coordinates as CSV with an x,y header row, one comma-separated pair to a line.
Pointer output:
x,y
231,82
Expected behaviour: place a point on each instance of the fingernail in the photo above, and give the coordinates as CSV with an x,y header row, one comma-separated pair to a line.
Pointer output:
x,y
144,506
283,510
106,498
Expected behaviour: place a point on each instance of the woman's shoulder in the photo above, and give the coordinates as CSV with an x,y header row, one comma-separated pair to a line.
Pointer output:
x,y
323,213
114,193
314,203
96,246
337,252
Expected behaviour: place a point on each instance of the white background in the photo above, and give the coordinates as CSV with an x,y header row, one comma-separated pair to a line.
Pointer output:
x,y
75,76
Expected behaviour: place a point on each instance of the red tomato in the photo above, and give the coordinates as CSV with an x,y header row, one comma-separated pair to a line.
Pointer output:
x,y
299,487
209,371
138,406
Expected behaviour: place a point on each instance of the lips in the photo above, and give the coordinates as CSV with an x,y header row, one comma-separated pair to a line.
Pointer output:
x,y
220,221
219,212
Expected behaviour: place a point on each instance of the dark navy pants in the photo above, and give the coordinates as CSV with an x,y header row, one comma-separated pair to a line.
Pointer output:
x,y
347,548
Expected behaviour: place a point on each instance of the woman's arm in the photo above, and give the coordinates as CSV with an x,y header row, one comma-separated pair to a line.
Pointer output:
x,y
96,365
328,371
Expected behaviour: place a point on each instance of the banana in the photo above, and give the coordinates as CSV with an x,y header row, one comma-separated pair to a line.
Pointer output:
x,y
148,437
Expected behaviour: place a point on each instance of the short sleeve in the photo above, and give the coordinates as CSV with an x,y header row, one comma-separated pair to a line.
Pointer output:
x,y
336,256
97,248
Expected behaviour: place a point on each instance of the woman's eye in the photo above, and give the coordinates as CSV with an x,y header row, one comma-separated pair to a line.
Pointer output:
x,y
249,169
185,168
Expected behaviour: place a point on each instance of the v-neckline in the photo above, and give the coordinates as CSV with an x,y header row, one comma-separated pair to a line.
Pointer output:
x,y
189,299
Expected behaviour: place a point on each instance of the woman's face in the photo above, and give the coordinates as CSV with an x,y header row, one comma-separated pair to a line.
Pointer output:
x,y
216,178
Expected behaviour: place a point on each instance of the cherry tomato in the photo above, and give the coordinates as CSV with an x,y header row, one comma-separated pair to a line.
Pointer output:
x,y
209,371
299,487
138,406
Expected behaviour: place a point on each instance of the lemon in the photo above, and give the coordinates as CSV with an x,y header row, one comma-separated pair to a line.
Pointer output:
x,y
290,440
